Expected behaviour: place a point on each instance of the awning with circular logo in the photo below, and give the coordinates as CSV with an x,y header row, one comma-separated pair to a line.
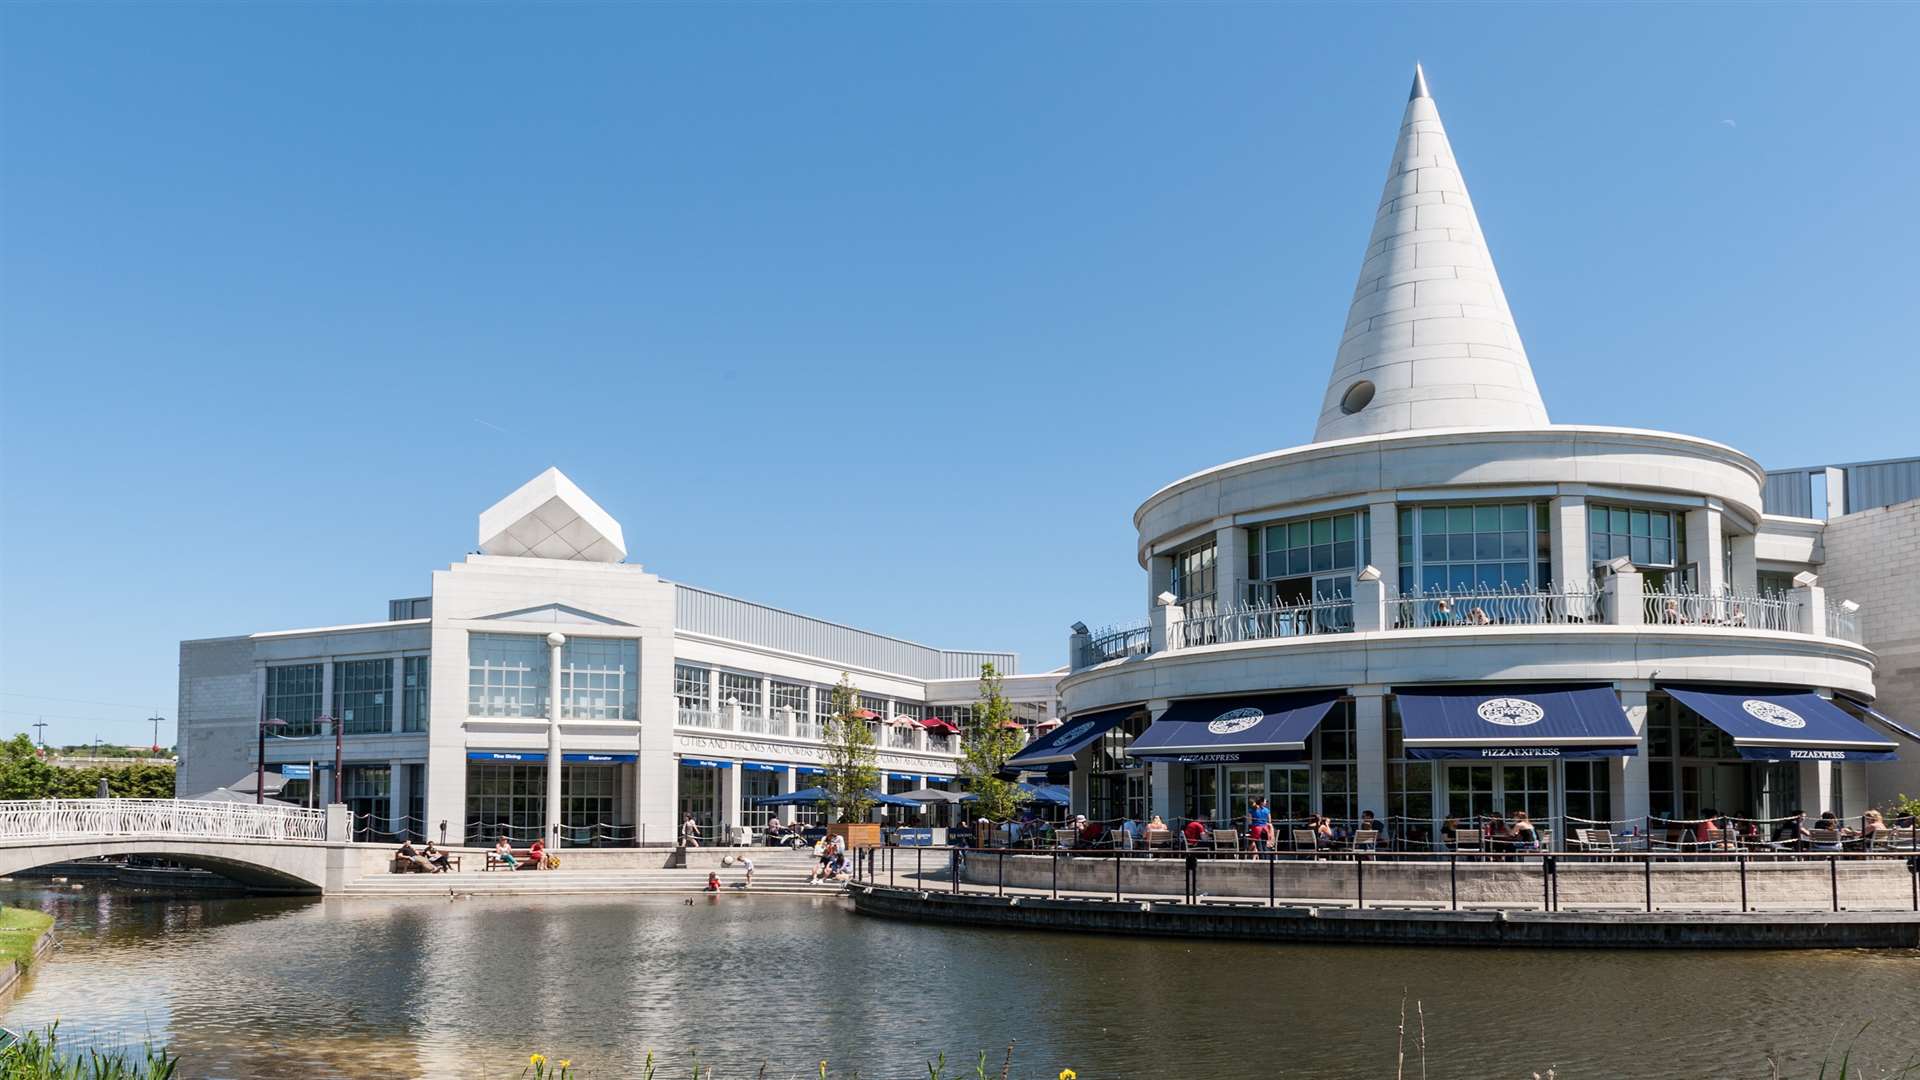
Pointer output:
x,y
1225,731
1770,726
1514,722
1057,747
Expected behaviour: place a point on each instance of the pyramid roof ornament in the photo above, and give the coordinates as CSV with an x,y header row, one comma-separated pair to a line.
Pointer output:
x,y
1429,340
549,517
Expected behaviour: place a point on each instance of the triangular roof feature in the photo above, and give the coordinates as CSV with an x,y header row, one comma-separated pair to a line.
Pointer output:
x,y
549,517
1430,342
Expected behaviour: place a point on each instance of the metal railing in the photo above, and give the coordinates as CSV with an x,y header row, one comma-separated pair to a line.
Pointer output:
x,y
1499,605
899,738
54,819
1259,622
1844,624
1114,642
718,720
1680,605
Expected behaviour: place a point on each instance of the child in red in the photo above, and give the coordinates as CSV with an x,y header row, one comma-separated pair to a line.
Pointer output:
x,y
713,881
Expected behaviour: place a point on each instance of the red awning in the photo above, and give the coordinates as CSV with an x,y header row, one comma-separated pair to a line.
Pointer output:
x,y
941,726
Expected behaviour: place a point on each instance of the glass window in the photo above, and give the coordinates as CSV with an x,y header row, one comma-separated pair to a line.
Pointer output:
x,y
362,695
875,705
1651,538
415,673
1526,787
1483,547
741,690
587,805
1589,795
1203,794
417,801
690,689
293,695
757,784
600,679
505,799
507,675
1469,793
791,705
1333,744
368,792
1320,545
1193,580
1290,794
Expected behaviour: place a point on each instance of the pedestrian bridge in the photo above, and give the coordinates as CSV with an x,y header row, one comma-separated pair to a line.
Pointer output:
x,y
269,848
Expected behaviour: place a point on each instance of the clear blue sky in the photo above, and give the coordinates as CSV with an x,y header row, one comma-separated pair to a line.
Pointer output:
x,y
889,314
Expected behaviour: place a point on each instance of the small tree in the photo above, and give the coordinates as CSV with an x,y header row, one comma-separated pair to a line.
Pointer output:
x,y
991,738
852,760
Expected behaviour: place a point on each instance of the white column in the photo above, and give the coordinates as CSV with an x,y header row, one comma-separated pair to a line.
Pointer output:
x,y
1631,792
731,791
1816,788
1811,600
792,785
1623,597
556,645
397,792
396,682
1743,576
1159,576
1163,776
1369,601
1704,549
326,709
1567,538
1370,748
766,702
1383,538
1229,565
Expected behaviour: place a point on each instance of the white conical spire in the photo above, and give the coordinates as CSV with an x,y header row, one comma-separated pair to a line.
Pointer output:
x,y
1429,342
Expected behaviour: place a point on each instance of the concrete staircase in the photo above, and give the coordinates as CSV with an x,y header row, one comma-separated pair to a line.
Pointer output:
x,y
774,872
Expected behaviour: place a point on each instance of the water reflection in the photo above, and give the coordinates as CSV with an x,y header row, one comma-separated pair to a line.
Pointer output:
x,y
248,988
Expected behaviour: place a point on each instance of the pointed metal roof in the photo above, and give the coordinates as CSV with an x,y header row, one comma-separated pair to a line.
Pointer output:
x,y
1429,341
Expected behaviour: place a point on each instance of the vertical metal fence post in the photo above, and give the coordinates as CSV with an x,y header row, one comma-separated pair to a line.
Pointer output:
x,y
1359,883
919,866
1646,863
1001,889
1833,875
1056,875
890,857
1272,861
1453,878
1743,884
1913,870
1546,883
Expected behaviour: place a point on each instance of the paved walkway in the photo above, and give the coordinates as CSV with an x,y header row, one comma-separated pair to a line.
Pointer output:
x,y
774,872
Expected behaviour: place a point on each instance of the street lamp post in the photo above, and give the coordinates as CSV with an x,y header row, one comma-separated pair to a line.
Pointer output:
x,y
260,763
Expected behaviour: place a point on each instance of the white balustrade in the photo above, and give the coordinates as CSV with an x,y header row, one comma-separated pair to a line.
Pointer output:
x,y
60,819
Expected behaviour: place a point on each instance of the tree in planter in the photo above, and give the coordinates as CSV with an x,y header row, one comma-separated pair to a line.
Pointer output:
x,y
991,738
852,760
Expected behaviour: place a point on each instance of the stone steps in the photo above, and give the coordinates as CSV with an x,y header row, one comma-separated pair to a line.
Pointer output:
x,y
555,882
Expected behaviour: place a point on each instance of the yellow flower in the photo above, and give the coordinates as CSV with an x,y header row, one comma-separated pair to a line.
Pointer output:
x,y
1069,1074
566,1063
536,1060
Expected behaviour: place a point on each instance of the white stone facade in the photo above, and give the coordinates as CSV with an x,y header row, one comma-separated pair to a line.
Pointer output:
x,y
1440,535
622,732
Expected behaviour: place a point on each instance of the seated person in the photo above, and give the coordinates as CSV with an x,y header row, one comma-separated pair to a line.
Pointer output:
x,y
1525,836
1195,832
537,855
1478,617
413,857
1872,824
1707,833
437,857
503,850
777,832
1130,833
1448,829
1498,832
1322,831
1156,829
1793,830
1369,823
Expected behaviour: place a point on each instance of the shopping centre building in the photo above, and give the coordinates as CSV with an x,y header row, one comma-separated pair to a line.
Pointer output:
x,y
1445,605
672,699
1442,605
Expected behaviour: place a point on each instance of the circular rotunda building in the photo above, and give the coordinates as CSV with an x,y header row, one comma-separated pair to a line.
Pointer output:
x,y
1447,606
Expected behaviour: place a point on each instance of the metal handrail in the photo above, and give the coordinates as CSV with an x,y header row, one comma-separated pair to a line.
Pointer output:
x,y
1114,642
1261,622
1844,624
1681,605
1494,606
49,819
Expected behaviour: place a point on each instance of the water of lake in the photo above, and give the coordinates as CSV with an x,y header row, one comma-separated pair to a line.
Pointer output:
x,y
255,988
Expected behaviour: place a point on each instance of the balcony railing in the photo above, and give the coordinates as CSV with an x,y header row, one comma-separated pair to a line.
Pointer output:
x,y
900,738
1114,642
1844,624
1493,606
705,718
1259,622
1678,605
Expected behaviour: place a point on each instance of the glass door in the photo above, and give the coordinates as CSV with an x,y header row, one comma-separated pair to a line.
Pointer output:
x,y
1469,793
757,784
1203,794
1291,791
1244,786
699,796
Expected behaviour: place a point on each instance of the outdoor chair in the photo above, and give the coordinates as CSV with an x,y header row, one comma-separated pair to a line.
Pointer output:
x,y
1468,840
1303,840
1826,840
1366,840
1595,839
1226,840
1157,838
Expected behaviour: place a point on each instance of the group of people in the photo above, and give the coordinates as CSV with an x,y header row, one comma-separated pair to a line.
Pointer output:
x,y
833,861
427,860
1515,833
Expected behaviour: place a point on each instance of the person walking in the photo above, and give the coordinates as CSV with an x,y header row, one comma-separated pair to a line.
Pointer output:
x,y
689,831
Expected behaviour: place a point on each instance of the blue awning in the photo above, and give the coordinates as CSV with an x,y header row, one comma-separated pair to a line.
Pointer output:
x,y
598,759
803,797
705,763
1771,726
809,770
908,777
761,766
1508,722
1904,729
1046,794
524,757
1214,731
1057,747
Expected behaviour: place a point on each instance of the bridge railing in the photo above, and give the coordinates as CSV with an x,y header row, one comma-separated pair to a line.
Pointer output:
x,y
54,819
